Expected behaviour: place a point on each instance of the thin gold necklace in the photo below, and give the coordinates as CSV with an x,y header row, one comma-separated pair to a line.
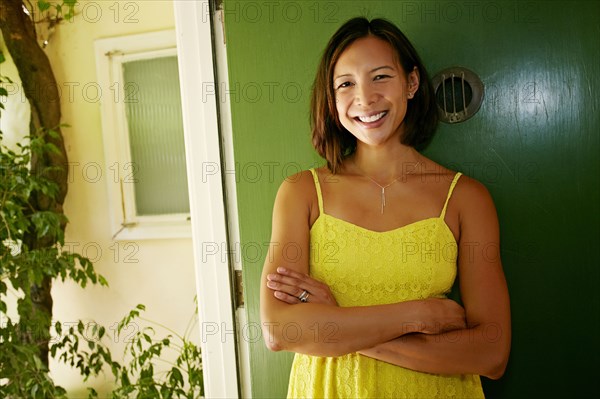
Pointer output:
x,y
379,185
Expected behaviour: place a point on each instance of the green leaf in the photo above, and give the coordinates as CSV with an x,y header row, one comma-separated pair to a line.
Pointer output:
x,y
166,392
102,281
92,393
176,377
52,148
54,134
43,5
147,338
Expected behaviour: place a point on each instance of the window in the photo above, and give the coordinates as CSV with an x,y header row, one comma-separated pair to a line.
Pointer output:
x,y
143,136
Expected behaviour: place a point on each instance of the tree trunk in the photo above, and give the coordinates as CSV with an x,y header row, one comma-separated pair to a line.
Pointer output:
x,y
40,88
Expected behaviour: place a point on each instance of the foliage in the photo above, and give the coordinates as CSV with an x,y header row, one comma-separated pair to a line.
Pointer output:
x,y
183,379
57,11
23,373
25,266
140,377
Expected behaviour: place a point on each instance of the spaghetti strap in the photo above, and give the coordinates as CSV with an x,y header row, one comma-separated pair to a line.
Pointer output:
x,y
318,188
456,176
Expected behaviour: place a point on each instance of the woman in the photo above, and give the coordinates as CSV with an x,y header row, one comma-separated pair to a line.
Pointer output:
x,y
364,251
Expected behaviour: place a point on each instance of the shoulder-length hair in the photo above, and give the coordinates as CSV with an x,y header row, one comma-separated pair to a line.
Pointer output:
x,y
331,140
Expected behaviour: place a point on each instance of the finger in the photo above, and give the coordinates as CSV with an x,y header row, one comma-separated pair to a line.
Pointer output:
x,y
294,274
318,291
309,281
285,288
284,297
291,281
289,272
282,277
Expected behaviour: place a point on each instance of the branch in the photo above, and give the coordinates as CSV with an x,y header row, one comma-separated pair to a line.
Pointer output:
x,y
40,88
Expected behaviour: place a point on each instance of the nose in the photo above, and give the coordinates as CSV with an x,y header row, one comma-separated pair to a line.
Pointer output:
x,y
365,95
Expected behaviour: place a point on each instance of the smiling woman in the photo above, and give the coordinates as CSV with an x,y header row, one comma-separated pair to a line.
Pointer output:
x,y
372,90
367,295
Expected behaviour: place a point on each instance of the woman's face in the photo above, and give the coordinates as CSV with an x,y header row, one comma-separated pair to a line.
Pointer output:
x,y
372,91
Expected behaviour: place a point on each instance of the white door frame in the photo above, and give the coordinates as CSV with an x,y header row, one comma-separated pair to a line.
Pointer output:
x,y
207,204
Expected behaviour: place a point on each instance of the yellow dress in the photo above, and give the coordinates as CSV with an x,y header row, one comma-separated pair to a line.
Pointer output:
x,y
364,267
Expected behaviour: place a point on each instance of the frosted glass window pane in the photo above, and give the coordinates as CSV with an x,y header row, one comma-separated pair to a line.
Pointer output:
x,y
153,107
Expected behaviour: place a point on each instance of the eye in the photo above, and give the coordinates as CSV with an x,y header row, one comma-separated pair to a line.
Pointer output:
x,y
343,85
380,77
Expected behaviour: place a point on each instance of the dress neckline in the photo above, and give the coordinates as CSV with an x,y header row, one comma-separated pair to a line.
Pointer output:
x,y
394,230
440,218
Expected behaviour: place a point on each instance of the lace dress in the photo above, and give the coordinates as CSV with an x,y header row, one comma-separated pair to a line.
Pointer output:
x,y
364,267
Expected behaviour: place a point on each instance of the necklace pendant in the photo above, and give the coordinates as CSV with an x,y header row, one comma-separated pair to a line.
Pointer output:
x,y
379,185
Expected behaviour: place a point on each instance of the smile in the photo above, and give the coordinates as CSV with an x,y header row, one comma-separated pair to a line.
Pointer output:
x,y
371,118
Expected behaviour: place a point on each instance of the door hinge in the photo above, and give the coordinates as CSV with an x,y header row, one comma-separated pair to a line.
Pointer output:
x,y
239,289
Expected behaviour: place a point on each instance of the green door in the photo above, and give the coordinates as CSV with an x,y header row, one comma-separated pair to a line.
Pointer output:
x,y
534,144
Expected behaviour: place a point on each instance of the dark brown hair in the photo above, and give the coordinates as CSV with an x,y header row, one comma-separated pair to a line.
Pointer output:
x,y
331,140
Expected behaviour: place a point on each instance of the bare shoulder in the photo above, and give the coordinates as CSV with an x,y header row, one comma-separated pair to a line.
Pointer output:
x,y
474,201
299,185
297,194
470,191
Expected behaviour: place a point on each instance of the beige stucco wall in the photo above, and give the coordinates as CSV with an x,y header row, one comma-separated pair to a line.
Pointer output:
x,y
157,273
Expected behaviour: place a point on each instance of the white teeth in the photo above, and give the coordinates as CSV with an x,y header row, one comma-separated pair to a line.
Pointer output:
x,y
372,118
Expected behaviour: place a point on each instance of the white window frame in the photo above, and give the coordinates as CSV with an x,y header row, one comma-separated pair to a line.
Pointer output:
x,y
111,53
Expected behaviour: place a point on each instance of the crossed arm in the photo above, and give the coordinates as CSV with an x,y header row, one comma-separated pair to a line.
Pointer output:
x,y
432,335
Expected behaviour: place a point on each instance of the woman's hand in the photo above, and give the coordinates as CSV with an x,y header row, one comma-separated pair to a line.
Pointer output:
x,y
436,316
441,315
289,285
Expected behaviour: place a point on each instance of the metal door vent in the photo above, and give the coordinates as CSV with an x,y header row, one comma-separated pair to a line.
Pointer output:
x,y
458,94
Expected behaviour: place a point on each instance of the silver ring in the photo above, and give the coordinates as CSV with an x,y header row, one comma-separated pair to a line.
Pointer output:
x,y
304,296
